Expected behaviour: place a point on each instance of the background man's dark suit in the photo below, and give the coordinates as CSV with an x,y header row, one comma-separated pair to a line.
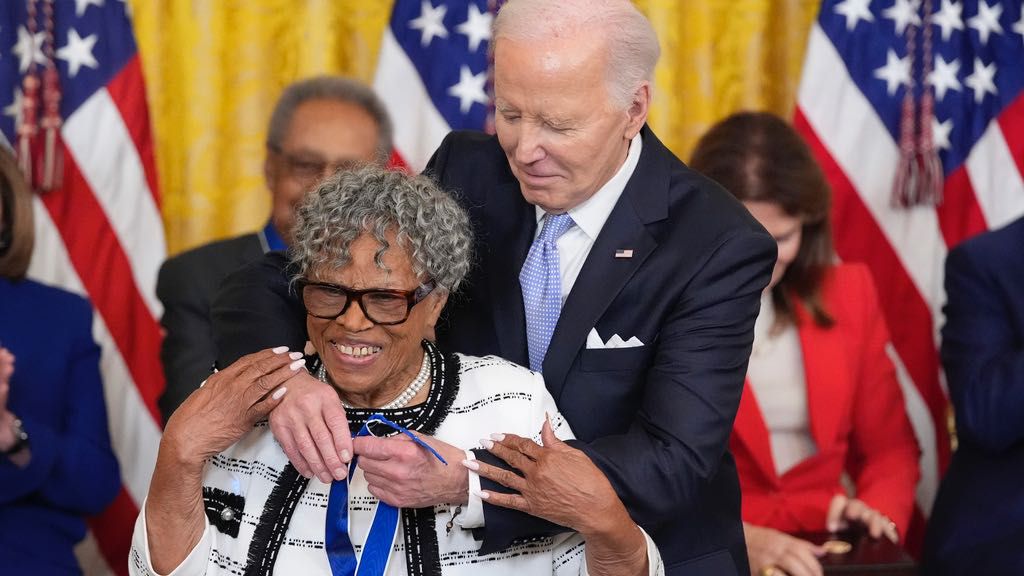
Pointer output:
x,y
656,419
186,286
977,525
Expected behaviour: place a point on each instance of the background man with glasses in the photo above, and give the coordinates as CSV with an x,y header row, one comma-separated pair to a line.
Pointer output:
x,y
318,126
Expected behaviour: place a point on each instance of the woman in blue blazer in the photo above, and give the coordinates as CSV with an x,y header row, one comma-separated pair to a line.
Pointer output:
x,y
56,463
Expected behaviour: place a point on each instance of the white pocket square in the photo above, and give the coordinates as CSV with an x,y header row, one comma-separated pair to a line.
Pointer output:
x,y
594,341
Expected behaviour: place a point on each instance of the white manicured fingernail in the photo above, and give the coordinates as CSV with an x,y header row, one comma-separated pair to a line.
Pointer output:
x,y
497,437
483,495
471,464
278,393
297,364
295,355
280,350
487,444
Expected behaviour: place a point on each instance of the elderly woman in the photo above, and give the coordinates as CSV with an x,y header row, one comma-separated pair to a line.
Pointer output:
x,y
376,255
821,397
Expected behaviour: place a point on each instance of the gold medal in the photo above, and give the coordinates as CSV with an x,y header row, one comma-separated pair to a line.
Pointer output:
x,y
837,547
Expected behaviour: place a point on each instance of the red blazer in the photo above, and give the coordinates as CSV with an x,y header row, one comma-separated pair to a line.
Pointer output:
x,y
857,418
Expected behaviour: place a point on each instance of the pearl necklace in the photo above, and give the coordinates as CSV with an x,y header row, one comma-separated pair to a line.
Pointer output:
x,y
405,397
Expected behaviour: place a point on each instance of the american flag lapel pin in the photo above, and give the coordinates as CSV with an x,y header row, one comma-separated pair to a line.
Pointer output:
x,y
620,253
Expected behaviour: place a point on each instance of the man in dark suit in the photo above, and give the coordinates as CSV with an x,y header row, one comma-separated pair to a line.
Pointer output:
x,y
977,525
318,125
659,274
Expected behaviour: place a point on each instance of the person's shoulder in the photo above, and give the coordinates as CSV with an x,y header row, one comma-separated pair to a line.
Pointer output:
x,y
497,373
464,155
236,250
46,300
999,246
696,202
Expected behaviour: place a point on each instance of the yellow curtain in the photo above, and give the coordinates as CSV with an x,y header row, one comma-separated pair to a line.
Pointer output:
x,y
215,67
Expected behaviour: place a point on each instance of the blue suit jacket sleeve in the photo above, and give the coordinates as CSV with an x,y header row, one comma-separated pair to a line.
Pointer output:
x,y
982,351
73,466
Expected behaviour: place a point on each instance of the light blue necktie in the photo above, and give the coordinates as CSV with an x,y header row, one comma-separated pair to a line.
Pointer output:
x,y
542,287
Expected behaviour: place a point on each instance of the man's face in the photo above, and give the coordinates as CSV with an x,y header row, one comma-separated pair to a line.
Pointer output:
x,y
562,135
323,135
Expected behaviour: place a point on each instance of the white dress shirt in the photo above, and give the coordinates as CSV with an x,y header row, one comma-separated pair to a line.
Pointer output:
x,y
589,217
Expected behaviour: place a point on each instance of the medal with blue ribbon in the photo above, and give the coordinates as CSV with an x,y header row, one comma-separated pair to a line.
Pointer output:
x,y
383,529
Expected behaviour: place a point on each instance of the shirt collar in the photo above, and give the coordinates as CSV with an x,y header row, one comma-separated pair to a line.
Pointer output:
x,y
591,215
271,240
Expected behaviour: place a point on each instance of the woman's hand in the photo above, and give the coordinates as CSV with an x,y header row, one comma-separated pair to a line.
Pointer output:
x,y
7,438
561,484
843,510
208,422
776,553
228,404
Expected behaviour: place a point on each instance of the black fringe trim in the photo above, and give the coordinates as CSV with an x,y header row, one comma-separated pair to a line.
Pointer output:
x,y
217,503
422,555
277,514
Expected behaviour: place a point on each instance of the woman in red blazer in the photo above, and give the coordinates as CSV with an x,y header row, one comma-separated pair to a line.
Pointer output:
x,y
821,398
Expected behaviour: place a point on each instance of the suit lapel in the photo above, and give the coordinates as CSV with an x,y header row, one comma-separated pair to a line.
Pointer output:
x,y
752,432
828,387
643,201
509,242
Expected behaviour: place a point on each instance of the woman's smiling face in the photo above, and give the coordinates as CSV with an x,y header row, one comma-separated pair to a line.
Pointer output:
x,y
371,363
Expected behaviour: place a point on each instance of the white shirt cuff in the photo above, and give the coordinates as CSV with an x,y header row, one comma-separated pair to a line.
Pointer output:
x,y
473,512
141,563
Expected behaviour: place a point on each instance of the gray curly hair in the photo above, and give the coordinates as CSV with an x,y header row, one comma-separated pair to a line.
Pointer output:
x,y
427,222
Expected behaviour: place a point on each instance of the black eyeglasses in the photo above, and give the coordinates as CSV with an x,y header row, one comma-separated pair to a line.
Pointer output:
x,y
379,305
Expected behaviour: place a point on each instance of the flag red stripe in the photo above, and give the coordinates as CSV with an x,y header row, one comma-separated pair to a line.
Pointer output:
x,y
858,238
106,274
1011,121
113,531
128,91
960,216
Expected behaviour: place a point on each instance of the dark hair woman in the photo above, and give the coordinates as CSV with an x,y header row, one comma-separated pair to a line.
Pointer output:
x,y
57,465
821,397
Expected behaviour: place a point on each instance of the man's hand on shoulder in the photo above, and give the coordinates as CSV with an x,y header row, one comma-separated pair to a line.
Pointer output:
x,y
404,474
311,426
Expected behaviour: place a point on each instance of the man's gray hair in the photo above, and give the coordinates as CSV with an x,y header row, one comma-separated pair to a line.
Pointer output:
x,y
632,44
337,88
428,223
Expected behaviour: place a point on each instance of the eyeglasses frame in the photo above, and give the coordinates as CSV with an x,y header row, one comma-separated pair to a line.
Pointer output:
x,y
412,298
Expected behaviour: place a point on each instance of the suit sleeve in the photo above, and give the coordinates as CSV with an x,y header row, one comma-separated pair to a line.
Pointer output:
x,y
982,354
187,351
73,467
256,308
883,454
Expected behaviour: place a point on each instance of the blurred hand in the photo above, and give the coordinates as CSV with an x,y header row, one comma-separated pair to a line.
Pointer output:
x,y
230,402
776,553
405,475
843,510
312,429
6,418
558,483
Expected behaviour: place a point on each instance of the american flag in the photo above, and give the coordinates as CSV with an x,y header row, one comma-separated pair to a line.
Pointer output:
x,y
433,72
969,58
99,233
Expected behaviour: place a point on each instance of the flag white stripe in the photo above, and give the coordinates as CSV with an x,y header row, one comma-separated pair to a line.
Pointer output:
x,y
99,141
419,127
134,434
924,429
914,234
997,183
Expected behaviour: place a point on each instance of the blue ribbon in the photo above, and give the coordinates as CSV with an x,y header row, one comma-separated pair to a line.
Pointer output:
x,y
340,553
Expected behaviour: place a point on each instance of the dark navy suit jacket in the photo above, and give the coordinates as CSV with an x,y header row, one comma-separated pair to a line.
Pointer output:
x,y
977,525
657,418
